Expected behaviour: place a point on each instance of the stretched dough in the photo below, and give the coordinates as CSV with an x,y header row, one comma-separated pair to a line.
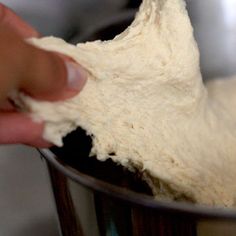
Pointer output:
x,y
145,101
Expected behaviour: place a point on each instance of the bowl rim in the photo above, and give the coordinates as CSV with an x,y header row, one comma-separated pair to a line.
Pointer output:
x,y
134,198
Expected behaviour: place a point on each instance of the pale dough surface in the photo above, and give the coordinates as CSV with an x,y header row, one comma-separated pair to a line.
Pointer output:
x,y
145,101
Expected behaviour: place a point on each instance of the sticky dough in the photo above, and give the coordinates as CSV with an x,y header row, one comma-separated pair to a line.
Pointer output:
x,y
146,103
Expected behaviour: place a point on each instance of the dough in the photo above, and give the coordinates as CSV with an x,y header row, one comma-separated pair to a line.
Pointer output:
x,y
146,103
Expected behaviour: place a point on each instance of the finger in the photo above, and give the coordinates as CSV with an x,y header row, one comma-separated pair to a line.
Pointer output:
x,y
7,106
9,18
41,74
16,128
52,77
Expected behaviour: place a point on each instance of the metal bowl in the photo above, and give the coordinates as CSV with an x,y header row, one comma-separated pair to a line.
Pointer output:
x,y
100,198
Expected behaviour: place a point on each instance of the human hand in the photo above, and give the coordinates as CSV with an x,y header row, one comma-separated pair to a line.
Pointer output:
x,y
38,73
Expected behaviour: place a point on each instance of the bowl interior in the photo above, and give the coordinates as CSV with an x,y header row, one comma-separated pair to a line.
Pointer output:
x,y
77,156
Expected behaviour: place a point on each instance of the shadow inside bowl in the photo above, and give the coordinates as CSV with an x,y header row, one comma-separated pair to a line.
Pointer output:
x,y
75,153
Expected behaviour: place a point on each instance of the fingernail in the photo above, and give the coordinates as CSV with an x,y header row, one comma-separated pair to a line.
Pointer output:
x,y
76,76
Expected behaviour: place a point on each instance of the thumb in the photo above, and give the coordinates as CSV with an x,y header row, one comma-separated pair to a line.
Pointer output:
x,y
50,76
40,74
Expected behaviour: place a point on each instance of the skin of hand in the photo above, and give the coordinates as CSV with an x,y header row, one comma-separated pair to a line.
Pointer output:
x,y
40,74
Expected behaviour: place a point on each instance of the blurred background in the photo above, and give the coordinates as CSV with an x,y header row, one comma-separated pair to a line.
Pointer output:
x,y
64,18
26,203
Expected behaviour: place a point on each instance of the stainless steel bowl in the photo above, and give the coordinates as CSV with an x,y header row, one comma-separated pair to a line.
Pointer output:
x,y
98,198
